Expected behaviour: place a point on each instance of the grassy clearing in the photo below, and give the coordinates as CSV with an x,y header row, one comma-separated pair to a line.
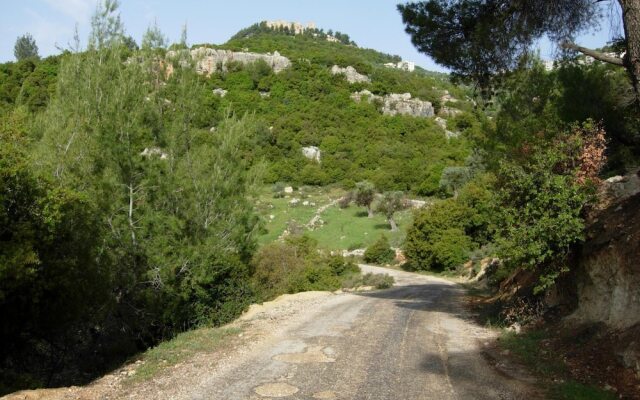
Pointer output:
x,y
350,228
180,348
343,229
531,348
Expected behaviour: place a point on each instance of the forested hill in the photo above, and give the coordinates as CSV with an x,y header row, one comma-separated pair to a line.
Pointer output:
x,y
307,105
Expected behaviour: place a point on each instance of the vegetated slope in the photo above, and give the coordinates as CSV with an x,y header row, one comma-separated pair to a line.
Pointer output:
x,y
306,105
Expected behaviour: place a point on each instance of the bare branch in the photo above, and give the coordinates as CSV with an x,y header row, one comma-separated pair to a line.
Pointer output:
x,y
595,54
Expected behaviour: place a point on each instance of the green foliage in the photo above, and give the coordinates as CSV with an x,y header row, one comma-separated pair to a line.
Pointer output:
x,y
53,284
453,178
380,252
540,213
471,38
25,47
437,239
107,29
153,38
296,266
430,186
389,204
364,194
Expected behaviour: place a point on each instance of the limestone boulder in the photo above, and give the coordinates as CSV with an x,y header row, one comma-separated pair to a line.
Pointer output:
x,y
312,153
397,104
350,74
208,60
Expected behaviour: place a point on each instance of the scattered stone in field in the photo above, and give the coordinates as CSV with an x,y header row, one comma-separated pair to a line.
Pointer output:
x,y
220,92
294,201
276,390
305,203
272,216
288,189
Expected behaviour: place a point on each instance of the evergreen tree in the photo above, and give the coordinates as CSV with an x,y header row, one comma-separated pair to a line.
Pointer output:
x,y
25,47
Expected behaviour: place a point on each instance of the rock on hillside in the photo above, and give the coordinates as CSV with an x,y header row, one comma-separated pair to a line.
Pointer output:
x,y
208,60
351,74
396,103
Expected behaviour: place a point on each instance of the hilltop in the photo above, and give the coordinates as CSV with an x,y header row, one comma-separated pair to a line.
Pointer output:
x,y
314,103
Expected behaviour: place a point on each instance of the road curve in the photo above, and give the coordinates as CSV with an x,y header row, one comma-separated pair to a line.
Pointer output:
x,y
413,341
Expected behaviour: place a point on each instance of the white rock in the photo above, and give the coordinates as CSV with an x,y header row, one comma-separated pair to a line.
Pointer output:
x,y
397,103
351,74
288,189
220,92
209,60
441,122
312,153
154,151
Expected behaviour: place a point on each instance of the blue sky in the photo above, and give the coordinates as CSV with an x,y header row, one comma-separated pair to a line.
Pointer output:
x,y
371,23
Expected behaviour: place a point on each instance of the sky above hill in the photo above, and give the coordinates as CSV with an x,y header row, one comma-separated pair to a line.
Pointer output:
x,y
370,23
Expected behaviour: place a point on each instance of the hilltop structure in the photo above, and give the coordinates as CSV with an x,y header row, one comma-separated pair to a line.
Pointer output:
x,y
296,27
403,65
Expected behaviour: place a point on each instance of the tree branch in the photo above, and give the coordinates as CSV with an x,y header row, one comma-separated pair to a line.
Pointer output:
x,y
593,53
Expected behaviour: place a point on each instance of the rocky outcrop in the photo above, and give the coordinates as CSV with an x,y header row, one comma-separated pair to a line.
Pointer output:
x,y
608,282
449,112
442,123
397,104
351,74
208,60
312,153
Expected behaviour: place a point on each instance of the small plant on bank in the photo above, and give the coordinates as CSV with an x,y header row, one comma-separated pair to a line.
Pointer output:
x,y
380,252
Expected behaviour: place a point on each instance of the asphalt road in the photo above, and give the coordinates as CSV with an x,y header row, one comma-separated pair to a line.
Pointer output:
x,y
413,341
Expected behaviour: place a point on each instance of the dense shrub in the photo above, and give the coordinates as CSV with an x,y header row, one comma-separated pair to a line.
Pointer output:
x,y
434,240
540,212
295,266
380,252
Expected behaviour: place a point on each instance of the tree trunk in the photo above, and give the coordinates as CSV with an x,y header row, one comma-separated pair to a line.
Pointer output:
x,y
631,23
369,211
394,226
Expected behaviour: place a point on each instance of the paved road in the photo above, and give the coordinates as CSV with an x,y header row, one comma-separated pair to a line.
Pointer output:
x,y
409,342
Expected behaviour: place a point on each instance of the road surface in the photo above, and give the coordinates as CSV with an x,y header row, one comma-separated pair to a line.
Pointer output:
x,y
413,341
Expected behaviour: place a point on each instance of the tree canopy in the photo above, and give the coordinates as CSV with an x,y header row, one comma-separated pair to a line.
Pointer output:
x,y
25,47
480,39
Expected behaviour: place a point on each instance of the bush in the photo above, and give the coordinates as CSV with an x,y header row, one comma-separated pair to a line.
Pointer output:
x,y
296,266
540,213
380,252
437,240
339,266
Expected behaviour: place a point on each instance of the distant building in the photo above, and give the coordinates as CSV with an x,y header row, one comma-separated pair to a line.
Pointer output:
x,y
296,27
403,65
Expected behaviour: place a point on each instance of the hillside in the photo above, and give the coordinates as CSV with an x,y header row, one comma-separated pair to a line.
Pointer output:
x,y
307,105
